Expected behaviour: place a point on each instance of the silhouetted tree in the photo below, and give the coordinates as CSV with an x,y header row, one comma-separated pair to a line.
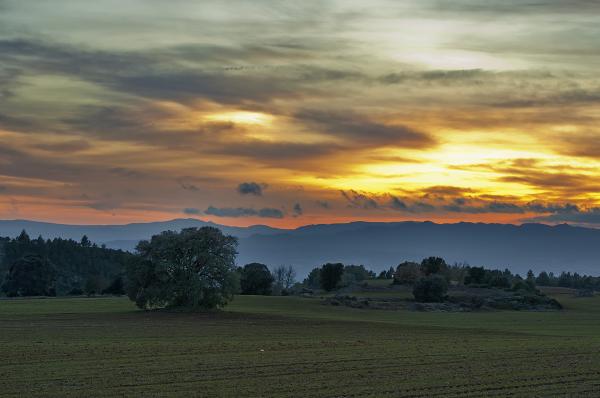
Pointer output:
x,y
284,278
85,241
433,265
543,279
193,268
31,275
256,279
313,280
331,275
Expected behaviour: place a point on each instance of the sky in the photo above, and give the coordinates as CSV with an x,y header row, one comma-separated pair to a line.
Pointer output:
x,y
289,113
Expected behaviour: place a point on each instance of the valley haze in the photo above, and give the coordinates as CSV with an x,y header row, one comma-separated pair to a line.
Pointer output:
x,y
377,245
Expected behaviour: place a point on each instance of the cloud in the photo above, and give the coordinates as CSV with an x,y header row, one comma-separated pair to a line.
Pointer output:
x,y
192,211
236,212
125,172
65,147
188,187
251,188
298,211
323,204
359,200
361,131
270,213
573,214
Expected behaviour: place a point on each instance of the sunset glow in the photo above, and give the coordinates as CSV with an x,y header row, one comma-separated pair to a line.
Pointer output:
x,y
416,110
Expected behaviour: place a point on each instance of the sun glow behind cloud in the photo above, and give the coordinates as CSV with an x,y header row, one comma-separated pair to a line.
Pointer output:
x,y
458,112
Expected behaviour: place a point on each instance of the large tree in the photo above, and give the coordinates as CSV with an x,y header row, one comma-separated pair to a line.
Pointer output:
x,y
256,279
30,275
193,268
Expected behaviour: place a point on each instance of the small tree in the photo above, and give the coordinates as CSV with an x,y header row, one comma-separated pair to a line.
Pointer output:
x,y
431,289
331,275
85,241
284,278
256,279
433,265
193,268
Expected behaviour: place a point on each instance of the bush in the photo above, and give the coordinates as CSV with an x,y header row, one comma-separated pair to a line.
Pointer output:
x,y
431,289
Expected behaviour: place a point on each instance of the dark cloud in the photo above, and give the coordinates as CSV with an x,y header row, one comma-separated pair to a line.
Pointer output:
x,y
359,130
581,145
516,7
571,214
192,211
243,212
437,76
359,200
188,187
270,213
568,97
403,205
276,153
251,188
298,211
398,204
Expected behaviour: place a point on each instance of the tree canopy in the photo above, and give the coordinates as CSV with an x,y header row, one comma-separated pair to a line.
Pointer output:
x,y
256,279
331,275
30,275
193,268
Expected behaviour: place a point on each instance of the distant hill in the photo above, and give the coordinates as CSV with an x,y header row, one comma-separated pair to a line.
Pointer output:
x,y
120,236
376,245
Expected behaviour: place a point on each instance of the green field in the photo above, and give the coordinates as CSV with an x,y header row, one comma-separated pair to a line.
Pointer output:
x,y
290,346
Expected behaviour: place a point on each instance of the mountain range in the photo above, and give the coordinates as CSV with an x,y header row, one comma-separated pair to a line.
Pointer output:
x,y
376,245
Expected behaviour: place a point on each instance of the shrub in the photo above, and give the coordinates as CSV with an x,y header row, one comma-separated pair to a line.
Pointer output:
x,y
431,289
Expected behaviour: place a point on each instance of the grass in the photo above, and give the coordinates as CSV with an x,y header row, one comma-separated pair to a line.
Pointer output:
x,y
290,346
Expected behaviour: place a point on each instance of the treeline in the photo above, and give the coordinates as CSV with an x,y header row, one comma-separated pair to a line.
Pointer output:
x,y
31,267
